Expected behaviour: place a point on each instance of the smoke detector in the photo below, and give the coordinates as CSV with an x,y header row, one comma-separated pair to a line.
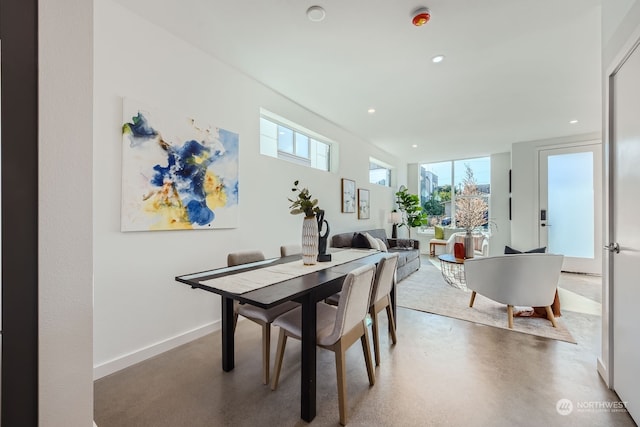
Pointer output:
x,y
420,16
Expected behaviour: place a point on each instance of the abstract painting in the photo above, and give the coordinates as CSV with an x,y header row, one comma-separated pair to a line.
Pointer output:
x,y
177,174
348,195
363,204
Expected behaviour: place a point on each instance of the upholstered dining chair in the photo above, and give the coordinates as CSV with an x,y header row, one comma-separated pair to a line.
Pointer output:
x,y
337,329
515,280
261,316
381,299
286,250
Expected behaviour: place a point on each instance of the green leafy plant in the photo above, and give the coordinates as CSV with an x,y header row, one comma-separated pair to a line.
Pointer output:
x,y
409,205
303,203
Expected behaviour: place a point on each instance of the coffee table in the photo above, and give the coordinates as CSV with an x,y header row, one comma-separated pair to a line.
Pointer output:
x,y
453,271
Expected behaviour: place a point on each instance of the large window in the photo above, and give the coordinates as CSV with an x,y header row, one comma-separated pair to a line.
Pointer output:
x,y
379,172
447,187
293,143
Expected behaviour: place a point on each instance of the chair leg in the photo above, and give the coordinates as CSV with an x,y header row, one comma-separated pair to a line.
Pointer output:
x,y
510,315
342,382
376,337
551,317
277,366
473,298
364,339
266,350
392,322
235,321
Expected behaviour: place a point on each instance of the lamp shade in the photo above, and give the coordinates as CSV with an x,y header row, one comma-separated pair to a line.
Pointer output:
x,y
395,218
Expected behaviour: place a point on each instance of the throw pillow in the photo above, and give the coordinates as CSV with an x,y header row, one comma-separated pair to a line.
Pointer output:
x,y
381,246
439,232
360,241
510,251
373,243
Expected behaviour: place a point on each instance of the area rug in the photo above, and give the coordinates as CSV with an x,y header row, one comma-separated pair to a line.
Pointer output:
x,y
425,290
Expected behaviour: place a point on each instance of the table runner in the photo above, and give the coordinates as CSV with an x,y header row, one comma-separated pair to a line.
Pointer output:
x,y
255,279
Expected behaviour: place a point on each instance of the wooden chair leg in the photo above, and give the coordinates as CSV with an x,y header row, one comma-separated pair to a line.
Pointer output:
x,y
342,383
473,298
367,355
551,317
392,323
376,337
277,365
266,350
510,315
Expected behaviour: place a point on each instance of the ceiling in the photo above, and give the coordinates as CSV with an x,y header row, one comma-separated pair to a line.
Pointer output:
x,y
514,70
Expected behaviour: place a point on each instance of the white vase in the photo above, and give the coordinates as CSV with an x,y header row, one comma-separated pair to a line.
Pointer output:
x,y
468,245
310,240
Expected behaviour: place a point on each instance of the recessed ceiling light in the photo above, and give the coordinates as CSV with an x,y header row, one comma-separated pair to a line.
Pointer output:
x,y
437,58
414,146
573,122
316,13
371,110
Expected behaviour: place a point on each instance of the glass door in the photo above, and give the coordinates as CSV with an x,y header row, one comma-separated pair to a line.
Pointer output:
x,y
570,205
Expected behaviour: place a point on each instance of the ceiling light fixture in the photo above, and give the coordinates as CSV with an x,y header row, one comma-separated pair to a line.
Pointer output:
x,y
371,110
414,146
437,59
316,13
420,16
573,122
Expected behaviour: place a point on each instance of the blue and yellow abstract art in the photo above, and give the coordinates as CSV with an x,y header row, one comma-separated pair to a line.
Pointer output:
x,y
176,174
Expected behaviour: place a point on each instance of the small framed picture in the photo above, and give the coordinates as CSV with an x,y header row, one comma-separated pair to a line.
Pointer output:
x,y
348,196
364,207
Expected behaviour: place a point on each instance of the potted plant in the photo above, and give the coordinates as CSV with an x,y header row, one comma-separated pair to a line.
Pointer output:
x,y
412,213
305,204
471,209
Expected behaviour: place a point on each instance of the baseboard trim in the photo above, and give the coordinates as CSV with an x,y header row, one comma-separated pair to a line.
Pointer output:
x,y
130,359
603,371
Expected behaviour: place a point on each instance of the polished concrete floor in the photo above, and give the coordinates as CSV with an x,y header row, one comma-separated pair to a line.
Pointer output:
x,y
442,372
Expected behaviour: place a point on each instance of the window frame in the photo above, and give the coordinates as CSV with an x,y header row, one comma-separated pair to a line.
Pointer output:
x,y
314,142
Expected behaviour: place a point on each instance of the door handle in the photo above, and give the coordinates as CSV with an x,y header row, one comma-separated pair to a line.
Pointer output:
x,y
545,225
613,247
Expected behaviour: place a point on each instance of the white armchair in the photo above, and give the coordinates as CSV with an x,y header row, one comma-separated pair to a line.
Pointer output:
x,y
480,243
515,280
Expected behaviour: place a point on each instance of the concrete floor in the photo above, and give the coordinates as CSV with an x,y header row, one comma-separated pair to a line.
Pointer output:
x,y
442,372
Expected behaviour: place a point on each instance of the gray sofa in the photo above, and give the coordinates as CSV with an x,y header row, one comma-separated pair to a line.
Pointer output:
x,y
409,249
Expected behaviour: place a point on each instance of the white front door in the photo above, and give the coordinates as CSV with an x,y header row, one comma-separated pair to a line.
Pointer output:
x,y
625,230
570,205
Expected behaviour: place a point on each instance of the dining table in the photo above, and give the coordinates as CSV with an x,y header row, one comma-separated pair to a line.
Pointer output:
x,y
287,279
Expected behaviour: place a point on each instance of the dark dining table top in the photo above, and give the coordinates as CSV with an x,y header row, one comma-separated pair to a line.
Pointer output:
x,y
277,293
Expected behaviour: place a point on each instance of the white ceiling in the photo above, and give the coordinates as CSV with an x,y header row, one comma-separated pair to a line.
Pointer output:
x,y
515,70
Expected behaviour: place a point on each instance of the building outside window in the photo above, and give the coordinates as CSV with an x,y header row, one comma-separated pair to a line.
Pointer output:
x,y
441,183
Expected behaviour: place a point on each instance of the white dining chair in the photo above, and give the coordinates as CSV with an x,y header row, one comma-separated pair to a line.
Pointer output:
x,y
337,329
261,316
293,249
381,299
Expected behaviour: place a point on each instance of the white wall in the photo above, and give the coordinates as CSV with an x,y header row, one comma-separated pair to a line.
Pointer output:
x,y
139,309
499,203
65,380
524,186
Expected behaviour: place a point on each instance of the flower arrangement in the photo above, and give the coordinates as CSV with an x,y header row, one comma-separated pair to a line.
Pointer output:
x,y
303,203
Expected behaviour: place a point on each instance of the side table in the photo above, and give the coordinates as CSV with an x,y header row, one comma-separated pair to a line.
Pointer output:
x,y
453,271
